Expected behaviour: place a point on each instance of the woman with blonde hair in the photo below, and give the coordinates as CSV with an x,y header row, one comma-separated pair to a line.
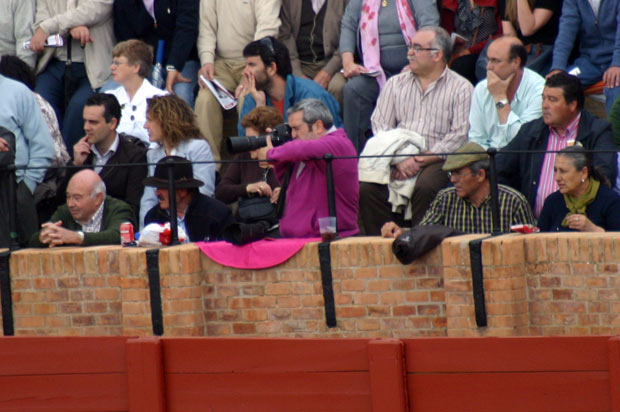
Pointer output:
x,y
171,126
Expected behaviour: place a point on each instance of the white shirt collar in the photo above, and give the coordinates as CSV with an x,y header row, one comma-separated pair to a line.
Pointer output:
x,y
111,150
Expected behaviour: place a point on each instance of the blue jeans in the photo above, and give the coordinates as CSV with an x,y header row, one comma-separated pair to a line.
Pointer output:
x,y
360,97
51,85
590,74
109,85
187,91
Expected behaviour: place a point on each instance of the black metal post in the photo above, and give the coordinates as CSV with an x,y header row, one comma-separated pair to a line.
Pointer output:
x,y
494,192
152,266
325,262
172,200
477,280
10,170
6,295
331,194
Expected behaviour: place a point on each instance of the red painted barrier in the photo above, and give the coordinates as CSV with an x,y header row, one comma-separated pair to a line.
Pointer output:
x,y
277,375
509,374
63,374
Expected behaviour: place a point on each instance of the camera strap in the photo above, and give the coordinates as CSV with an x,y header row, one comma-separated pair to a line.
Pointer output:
x,y
283,188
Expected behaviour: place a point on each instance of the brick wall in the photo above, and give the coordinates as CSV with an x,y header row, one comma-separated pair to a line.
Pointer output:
x,y
573,286
67,291
374,295
542,284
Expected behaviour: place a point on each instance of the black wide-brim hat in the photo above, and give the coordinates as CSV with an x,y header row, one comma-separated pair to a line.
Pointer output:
x,y
181,169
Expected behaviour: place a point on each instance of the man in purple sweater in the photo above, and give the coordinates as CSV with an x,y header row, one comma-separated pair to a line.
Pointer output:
x,y
306,196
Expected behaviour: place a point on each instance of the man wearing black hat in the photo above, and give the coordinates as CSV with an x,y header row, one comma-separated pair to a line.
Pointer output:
x,y
200,216
466,206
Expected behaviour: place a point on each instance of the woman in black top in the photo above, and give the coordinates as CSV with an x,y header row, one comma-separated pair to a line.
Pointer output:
x,y
244,178
536,23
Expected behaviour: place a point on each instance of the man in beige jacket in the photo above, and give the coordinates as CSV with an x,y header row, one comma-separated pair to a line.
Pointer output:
x,y
226,26
87,29
16,18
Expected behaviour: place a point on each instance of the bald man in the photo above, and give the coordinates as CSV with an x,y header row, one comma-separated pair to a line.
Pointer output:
x,y
88,218
510,96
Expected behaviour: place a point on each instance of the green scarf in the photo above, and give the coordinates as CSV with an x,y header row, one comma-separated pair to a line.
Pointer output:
x,y
577,205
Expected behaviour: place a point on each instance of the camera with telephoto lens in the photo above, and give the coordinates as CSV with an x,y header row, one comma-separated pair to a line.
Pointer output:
x,y
239,144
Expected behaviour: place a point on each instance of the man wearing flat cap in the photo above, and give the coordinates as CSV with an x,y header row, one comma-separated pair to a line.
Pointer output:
x,y
200,216
466,206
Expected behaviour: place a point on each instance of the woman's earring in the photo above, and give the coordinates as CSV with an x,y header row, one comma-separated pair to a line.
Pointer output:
x,y
583,180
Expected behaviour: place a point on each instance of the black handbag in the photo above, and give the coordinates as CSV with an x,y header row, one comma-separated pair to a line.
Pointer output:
x,y
254,209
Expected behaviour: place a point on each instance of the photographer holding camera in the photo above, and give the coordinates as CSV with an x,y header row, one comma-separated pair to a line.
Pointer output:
x,y
302,171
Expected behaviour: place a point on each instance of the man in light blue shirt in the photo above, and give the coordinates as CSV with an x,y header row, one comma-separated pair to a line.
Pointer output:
x,y
510,96
20,113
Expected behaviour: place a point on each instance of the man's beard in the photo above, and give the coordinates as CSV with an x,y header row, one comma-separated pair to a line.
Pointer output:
x,y
264,84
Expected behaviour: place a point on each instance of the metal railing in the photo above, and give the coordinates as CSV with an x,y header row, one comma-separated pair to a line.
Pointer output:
x,y
10,170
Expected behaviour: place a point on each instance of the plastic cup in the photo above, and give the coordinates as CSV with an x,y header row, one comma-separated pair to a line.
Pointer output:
x,y
327,227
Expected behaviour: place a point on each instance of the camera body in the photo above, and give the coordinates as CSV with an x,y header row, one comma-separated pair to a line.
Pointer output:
x,y
239,144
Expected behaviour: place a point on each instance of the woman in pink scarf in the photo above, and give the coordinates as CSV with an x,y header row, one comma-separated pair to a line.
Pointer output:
x,y
373,43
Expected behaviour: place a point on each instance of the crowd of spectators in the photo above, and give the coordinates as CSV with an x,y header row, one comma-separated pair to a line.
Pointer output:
x,y
419,88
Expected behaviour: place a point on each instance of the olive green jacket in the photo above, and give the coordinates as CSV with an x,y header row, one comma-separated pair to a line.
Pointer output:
x,y
115,212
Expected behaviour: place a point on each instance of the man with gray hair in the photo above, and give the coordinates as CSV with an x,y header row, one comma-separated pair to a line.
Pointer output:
x,y
466,206
431,100
300,167
89,217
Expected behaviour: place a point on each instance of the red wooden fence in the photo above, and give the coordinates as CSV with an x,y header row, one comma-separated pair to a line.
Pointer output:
x,y
277,375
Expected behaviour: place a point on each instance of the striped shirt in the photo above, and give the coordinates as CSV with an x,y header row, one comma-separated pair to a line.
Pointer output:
x,y
440,114
453,211
547,183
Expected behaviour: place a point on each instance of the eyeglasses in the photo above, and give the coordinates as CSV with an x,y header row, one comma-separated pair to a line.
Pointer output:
x,y
118,63
458,174
418,48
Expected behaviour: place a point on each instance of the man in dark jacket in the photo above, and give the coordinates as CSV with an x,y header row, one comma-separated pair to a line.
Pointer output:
x,y
102,148
201,217
564,123
88,218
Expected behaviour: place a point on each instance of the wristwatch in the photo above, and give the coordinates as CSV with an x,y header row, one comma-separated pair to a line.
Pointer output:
x,y
500,104
81,235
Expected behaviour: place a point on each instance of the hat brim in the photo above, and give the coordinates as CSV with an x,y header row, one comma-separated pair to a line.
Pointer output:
x,y
178,184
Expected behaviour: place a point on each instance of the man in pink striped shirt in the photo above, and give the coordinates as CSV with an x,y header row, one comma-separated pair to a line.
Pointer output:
x,y
564,123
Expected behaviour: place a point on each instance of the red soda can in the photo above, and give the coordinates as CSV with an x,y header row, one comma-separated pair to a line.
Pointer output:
x,y
127,235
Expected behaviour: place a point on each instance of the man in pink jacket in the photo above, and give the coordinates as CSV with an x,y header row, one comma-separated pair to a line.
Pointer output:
x,y
306,196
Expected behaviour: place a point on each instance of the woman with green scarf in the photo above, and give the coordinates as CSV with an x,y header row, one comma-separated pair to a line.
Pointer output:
x,y
584,201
